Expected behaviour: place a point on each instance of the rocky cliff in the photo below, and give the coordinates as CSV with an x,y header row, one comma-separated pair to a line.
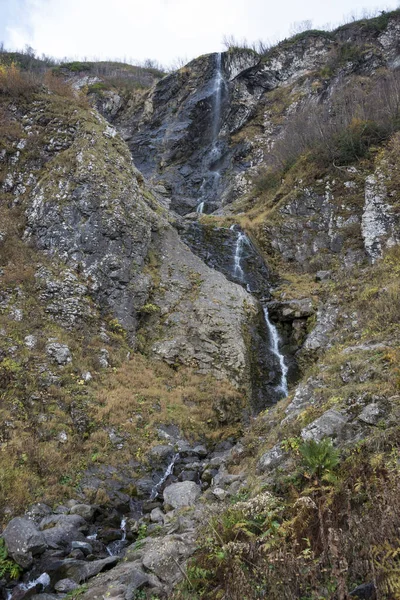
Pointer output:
x,y
200,315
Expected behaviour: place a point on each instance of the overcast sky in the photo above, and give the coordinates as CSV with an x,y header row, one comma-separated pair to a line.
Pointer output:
x,y
159,29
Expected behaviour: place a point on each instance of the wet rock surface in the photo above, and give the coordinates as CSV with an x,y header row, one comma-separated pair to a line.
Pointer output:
x,y
203,240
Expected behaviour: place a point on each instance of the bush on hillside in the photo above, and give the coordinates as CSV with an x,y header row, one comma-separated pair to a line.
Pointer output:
x,y
359,116
14,82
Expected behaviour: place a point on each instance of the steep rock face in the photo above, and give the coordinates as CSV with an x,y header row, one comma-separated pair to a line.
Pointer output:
x,y
87,205
87,208
170,129
250,271
380,226
202,316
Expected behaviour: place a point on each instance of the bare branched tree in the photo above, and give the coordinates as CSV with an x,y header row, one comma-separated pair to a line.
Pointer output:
x,y
300,26
342,129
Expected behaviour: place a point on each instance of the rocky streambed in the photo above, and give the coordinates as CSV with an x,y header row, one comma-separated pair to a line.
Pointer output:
x,y
147,545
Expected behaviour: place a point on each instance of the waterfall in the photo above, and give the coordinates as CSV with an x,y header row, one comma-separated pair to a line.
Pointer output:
x,y
168,472
117,546
274,337
240,241
123,527
217,93
214,154
43,580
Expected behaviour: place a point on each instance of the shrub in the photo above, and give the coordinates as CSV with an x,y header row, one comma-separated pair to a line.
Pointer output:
x,y
228,543
268,180
76,66
58,85
319,457
99,86
14,82
341,131
150,309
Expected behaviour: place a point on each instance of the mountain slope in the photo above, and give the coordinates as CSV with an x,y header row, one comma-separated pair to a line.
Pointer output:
x,y
257,249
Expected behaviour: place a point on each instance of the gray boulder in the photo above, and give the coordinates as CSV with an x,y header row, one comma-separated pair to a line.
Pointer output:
x,y
84,546
79,570
59,353
330,424
163,557
271,459
86,511
182,494
60,537
65,521
323,275
65,586
371,414
23,540
37,511
157,516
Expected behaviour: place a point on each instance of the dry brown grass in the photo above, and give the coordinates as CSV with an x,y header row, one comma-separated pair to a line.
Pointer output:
x,y
14,82
143,394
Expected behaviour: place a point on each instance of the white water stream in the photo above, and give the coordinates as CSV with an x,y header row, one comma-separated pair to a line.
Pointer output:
x,y
241,240
114,548
43,580
274,337
200,208
123,527
214,154
163,479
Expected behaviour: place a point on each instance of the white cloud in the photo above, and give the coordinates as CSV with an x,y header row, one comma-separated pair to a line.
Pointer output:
x,y
159,29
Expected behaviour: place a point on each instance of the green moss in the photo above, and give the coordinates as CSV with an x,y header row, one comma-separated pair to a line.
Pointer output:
x,y
150,309
99,86
77,66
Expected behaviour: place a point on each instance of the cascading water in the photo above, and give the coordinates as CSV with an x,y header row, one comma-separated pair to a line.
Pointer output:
x,y
241,240
200,208
213,174
123,527
274,339
117,546
217,93
43,580
168,472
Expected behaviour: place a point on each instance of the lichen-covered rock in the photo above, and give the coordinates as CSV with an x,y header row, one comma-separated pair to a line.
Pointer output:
x,y
271,459
79,570
181,494
83,510
321,336
203,314
330,424
164,557
371,414
88,210
291,309
378,221
65,586
65,297
23,540
59,353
